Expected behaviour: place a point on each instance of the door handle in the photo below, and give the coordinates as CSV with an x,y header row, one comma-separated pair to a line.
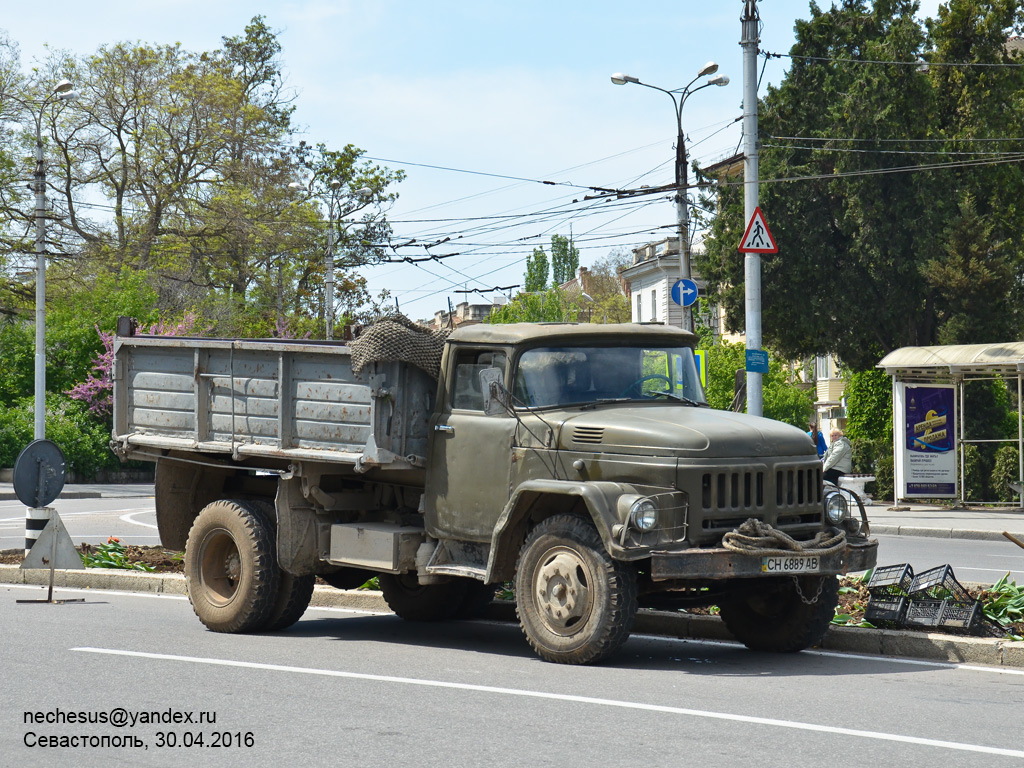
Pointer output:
x,y
444,428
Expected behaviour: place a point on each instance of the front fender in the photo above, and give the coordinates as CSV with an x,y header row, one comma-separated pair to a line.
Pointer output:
x,y
534,500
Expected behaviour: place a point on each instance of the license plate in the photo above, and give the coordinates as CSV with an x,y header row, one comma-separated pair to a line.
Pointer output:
x,y
790,564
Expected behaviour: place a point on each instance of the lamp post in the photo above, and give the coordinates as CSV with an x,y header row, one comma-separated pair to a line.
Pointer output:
x,y
37,518
63,91
333,205
679,97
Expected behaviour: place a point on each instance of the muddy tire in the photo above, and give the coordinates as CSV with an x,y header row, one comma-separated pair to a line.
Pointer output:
x,y
769,614
293,592
575,604
413,601
231,567
293,596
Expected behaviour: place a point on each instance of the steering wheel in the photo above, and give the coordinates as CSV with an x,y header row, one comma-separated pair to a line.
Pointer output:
x,y
636,384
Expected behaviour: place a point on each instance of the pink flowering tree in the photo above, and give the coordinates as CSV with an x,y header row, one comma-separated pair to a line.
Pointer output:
x,y
98,388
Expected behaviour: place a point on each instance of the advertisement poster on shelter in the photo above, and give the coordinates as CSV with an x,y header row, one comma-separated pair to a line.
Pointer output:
x,y
928,437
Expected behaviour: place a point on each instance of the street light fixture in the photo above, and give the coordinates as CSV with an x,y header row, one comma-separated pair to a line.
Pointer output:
x,y
63,91
679,97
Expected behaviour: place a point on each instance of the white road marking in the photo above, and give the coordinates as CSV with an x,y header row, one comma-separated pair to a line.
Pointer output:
x,y
128,518
698,713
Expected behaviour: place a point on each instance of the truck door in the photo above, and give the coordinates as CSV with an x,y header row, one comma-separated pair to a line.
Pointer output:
x,y
470,453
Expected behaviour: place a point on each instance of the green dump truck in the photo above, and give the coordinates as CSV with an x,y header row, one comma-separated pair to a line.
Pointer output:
x,y
579,462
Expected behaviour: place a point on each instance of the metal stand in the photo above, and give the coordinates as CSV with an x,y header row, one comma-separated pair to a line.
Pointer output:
x,y
54,528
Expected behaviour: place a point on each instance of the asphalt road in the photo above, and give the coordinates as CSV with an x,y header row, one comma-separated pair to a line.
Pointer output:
x,y
981,562
348,689
133,520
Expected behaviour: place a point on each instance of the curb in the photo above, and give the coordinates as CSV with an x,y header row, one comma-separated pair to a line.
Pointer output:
x,y
879,642
936,533
5,496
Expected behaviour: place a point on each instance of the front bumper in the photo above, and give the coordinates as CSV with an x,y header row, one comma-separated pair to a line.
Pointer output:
x,y
721,563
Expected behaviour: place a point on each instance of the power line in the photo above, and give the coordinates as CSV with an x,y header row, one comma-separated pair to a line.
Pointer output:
x,y
492,175
914,63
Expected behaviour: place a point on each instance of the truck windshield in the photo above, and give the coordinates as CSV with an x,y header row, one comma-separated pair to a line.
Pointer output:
x,y
549,376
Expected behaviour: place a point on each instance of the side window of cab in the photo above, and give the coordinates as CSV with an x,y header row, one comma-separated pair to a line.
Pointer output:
x,y
467,392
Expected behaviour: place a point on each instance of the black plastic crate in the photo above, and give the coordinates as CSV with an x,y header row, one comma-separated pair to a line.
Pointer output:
x,y
886,610
891,580
924,613
965,615
944,613
938,584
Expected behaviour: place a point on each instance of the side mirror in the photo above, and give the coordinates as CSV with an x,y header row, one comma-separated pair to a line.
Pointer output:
x,y
496,397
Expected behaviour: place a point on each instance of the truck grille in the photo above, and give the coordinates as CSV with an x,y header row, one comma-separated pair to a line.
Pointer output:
x,y
797,487
732,491
730,498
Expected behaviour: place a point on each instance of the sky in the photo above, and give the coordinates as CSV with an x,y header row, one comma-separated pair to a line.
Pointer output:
x,y
479,102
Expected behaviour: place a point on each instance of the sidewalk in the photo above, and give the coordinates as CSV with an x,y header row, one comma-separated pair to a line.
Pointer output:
x,y
90,491
945,521
934,520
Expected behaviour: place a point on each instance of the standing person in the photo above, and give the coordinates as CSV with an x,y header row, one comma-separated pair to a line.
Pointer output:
x,y
817,438
838,457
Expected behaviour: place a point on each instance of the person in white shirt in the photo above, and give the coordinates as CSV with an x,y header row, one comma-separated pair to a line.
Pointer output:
x,y
838,459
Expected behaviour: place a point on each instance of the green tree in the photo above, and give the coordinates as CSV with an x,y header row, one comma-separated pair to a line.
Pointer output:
x,y
783,399
565,259
551,306
611,304
195,153
536,277
870,259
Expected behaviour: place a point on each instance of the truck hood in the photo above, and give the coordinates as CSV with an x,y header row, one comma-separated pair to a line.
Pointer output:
x,y
680,430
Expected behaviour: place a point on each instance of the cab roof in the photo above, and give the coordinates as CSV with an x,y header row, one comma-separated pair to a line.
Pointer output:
x,y
517,333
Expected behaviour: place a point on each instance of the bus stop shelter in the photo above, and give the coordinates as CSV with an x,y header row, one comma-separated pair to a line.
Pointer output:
x,y
929,379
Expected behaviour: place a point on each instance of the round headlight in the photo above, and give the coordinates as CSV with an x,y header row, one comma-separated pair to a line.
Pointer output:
x,y
836,508
643,515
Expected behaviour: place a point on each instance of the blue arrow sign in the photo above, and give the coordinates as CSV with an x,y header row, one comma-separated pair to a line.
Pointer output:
x,y
684,292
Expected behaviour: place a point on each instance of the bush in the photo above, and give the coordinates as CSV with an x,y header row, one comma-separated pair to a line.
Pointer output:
x,y
84,440
1006,471
974,474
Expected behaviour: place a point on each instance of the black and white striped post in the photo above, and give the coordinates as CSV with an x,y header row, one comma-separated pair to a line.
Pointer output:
x,y
36,519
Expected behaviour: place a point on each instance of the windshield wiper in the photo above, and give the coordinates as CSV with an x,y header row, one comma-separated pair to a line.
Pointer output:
x,y
682,399
605,401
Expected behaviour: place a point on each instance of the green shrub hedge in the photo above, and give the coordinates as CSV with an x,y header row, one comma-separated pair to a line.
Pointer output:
x,y
84,440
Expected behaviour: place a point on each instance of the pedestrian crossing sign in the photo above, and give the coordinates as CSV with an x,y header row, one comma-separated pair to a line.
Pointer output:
x,y
757,238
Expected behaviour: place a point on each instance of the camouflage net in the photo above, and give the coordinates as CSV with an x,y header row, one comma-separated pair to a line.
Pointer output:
x,y
396,337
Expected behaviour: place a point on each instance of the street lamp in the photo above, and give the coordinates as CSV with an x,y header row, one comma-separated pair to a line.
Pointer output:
x,y
364,193
679,97
63,91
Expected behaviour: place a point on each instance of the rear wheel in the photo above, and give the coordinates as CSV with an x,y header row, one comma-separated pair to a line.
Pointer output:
x,y
781,615
413,601
293,592
575,604
230,566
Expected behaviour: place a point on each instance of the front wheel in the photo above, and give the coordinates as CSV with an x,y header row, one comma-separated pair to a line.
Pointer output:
x,y
781,615
575,604
230,566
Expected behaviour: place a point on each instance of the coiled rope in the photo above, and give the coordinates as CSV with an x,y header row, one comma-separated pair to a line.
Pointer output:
x,y
756,537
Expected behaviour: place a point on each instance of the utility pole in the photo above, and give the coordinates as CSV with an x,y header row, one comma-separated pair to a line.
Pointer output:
x,y
751,261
